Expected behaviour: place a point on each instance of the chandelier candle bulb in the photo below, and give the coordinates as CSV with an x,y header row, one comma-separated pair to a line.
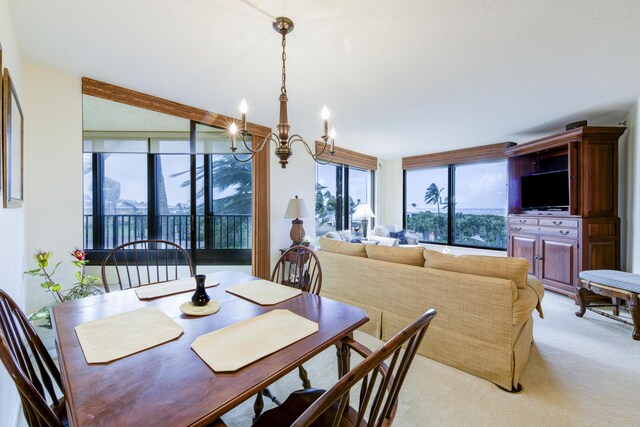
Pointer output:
x,y
325,119
233,129
243,111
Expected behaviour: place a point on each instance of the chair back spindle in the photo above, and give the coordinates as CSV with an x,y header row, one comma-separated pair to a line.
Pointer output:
x,y
380,383
144,262
30,366
299,267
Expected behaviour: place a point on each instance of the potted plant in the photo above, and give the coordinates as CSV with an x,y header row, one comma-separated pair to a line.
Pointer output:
x,y
84,286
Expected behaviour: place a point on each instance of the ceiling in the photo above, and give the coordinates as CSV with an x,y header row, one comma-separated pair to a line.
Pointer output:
x,y
400,77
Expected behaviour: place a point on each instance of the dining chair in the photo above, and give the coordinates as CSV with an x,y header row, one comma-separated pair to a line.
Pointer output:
x,y
379,390
298,267
30,366
144,262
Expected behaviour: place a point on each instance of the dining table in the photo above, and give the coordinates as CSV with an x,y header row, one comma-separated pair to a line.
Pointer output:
x,y
169,384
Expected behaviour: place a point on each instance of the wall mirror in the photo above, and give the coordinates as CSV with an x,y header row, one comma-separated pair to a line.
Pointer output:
x,y
12,144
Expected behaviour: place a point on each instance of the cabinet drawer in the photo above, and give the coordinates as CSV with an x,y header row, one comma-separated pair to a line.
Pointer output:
x,y
559,232
523,221
516,228
564,223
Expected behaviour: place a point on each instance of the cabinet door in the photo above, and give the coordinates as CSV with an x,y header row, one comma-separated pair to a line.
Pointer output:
x,y
524,246
559,263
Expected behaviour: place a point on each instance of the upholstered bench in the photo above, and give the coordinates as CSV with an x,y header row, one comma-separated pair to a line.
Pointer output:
x,y
612,284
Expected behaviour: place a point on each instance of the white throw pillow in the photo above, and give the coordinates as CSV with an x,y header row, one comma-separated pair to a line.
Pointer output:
x,y
384,241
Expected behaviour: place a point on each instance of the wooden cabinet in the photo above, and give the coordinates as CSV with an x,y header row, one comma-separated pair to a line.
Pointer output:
x,y
582,236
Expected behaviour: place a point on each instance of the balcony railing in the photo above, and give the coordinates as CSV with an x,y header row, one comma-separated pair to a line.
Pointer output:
x,y
220,231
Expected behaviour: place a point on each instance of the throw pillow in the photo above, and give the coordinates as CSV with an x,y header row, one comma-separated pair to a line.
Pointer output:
x,y
345,235
408,256
515,269
400,235
333,235
344,248
356,240
384,241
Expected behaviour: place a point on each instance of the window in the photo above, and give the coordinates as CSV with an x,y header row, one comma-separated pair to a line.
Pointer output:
x,y
462,205
340,189
132,195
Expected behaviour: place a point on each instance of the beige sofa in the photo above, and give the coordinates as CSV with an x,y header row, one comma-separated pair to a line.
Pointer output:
x,y
484,324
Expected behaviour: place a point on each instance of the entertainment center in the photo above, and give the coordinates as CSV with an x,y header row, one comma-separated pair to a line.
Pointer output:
x,y
563,205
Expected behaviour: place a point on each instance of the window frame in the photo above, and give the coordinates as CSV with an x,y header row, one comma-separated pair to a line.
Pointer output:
x,y
343,215
451,181
199,256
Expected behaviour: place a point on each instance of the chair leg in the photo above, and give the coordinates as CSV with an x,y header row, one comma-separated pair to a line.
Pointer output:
x,y
258,405
304,377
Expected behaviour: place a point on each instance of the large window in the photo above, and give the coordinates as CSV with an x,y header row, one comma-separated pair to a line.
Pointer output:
x,y
463,205
340,189
141,189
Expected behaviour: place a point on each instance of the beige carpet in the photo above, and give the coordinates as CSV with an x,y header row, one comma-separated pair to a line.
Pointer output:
x,y
581,372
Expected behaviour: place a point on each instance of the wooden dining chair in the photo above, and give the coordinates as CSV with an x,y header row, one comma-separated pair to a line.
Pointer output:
x,y
31,367
298,267
144,262
379,390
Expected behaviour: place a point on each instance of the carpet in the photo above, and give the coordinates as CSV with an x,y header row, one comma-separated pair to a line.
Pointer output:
x,y
581,372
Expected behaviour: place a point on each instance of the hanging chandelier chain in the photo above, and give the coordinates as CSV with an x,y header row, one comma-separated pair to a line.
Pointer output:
x,y
283,89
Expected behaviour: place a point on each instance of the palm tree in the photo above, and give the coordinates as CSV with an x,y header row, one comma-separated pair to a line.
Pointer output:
x,y
226,174
433,196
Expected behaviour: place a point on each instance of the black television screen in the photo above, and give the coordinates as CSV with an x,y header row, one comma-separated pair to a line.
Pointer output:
x,y
545,190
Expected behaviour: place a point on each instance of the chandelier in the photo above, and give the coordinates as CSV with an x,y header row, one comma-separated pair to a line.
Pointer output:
x,y
282,139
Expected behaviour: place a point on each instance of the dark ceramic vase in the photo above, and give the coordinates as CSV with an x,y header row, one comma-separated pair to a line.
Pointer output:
x,y
200,297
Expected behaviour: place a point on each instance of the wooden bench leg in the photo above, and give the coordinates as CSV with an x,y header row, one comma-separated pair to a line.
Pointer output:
x,y
616,306
634,309
582,301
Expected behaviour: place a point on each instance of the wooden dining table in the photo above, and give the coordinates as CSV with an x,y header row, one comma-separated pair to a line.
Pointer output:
x,y
169,385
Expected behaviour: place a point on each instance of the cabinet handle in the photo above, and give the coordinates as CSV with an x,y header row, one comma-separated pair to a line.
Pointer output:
x,y
522,221
517,228
557,222
538,258
563,232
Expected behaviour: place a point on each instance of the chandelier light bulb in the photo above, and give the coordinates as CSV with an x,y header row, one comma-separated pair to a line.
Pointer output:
x,y
325,113
243,107
332,134
233,128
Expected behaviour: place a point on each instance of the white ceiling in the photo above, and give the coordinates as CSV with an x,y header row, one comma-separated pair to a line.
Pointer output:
x,y
400,77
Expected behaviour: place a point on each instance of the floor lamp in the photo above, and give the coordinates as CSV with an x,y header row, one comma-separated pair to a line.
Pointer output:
x,y
364,213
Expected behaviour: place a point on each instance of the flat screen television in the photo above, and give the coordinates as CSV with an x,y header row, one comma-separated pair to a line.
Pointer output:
x,y
544,191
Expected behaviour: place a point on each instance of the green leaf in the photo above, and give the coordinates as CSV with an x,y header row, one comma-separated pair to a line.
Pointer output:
x,y
43,313
55,268
56,288
78,276
45,285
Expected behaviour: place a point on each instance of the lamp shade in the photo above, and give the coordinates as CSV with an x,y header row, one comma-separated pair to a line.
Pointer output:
x,y
296,209
363,211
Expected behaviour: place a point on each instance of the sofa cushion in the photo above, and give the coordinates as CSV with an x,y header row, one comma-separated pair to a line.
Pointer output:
x,y
344,248
399,255
384,241
400,235
489,266
333,235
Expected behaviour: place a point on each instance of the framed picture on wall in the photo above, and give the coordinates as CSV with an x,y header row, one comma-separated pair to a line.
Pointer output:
x,y
1,123
12,144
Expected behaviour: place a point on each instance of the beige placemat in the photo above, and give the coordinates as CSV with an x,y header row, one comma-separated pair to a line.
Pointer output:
x,y
264,292
121,335
231,348
173,287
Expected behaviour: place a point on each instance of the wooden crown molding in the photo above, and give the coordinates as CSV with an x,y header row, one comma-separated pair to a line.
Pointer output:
x,y
464,155
149,102
348,157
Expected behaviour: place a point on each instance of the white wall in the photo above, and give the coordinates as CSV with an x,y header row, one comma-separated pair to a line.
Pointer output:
x,y
299,178
53,183
390,185
629,200
12,258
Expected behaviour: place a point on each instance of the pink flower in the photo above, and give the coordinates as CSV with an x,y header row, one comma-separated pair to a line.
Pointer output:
x,y
78,254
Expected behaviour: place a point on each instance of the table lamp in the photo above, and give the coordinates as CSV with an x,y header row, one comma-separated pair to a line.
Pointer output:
x,y
296,209
363,212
